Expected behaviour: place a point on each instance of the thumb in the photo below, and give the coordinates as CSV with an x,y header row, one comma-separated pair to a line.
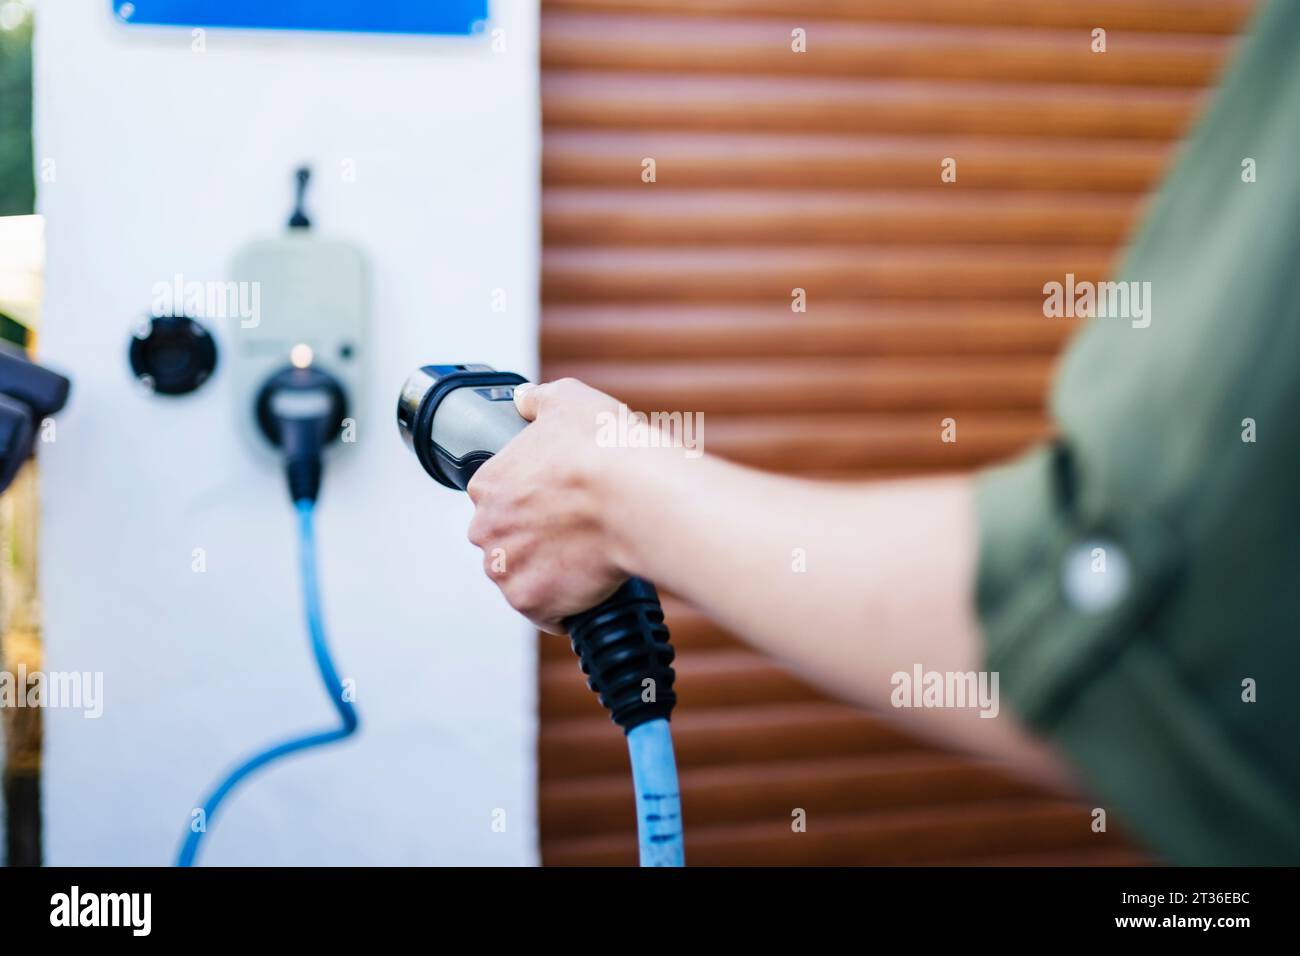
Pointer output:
x,y
527,398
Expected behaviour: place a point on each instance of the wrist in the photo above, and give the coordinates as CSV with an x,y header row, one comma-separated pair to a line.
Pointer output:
x,y
626,486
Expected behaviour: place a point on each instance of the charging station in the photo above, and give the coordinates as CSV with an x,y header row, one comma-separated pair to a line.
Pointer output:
x,y
314,295
172,570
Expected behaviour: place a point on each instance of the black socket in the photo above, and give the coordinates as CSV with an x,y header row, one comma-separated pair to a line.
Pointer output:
x,y
292,379
301,434
173,354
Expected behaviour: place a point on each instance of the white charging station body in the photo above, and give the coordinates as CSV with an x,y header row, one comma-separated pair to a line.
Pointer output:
x,y
168,555
309,291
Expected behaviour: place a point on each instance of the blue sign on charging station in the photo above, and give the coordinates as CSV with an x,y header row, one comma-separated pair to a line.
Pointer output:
x,y
455,17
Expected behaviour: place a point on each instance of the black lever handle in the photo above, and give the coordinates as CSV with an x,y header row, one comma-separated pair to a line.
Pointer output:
x,y
622,644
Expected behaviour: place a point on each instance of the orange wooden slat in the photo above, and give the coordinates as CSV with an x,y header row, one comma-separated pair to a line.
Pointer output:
x,y
764,46
727,678
591,746
823,385
796,105
898,837
844,443
768,791
1172,16
739,160
579,331
770,274
656,215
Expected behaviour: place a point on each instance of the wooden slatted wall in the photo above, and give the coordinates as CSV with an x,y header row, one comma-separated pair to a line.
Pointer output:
x,y
820,170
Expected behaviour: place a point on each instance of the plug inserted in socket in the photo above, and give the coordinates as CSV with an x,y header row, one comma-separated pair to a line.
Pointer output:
x,y
312,310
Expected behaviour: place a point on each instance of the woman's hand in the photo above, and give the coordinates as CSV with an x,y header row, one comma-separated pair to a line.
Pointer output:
x,y
542,506
848,583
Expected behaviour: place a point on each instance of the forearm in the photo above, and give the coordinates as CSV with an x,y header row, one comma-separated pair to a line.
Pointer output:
x,y
847,584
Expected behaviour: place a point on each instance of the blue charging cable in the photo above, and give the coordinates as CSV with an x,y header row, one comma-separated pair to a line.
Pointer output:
x,y
329,677
658,802
623,648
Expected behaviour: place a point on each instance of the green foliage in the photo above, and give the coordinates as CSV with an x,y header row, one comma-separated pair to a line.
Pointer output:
x,y
17,185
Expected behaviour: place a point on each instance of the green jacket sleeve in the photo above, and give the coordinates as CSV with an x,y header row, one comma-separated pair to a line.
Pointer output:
x,y
1139,578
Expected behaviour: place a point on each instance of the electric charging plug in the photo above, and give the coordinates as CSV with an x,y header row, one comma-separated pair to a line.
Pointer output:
x,y
300,411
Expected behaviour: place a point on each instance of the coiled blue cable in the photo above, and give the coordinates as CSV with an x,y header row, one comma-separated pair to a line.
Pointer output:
x,y
658,802
329,677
